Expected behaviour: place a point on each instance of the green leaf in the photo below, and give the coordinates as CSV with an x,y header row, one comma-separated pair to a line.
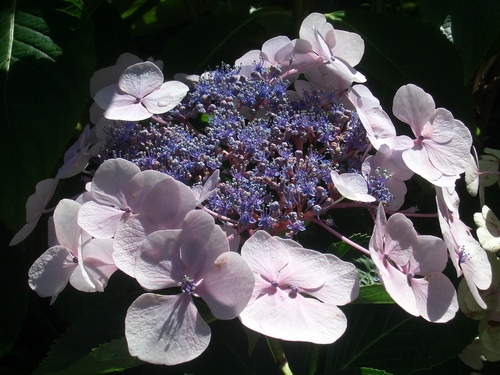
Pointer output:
x,y
367,271
374,293
99,325
386,337
47,61
110,357
341,248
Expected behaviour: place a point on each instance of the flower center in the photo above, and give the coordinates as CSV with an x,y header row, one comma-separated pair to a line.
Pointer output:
x,y
187,285
463,256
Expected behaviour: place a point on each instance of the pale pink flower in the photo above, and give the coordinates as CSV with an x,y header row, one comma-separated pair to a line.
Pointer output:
x,y
35,206
341,49
167,329
351,186
77,156
468,257
410,266
83,261
139,94
291,57
128,204
297,290
442,144
110,75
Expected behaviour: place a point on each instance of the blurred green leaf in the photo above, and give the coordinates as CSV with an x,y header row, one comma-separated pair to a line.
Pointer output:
x,y
14,291
386,337
193,50
374,293
109,357
44,76
474,24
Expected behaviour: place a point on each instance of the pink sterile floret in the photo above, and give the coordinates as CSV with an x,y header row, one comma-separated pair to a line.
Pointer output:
x,y
341,49
297,290
86,262
410,267
441,149
139,94
167,329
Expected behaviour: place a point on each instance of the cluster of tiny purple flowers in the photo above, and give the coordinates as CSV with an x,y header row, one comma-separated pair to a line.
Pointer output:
x,y
275,150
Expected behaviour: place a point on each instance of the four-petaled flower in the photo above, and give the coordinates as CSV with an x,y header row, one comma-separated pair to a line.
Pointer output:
x,y
441,149
167,329
410,266
139,94
297,290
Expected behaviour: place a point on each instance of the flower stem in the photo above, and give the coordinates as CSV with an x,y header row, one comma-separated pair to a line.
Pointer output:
x,y
343,238
279,355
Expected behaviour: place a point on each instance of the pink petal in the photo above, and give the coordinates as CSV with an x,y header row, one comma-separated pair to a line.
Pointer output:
x,y
349,46
50,273
317,21
125,108
306,269
295,319
202,243
436,297
141,185
158,264
401,239
98,264
65,224
246,62
165,330
228,286
166,97
275,45
475,263
413,106
130,234
36,203
342,284
110,185
265,255
141,79
396,284
429,256
417,159
98,220
168,203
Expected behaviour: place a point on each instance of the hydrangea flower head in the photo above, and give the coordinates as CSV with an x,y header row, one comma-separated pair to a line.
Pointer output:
x,y
167,329
139,94
297,290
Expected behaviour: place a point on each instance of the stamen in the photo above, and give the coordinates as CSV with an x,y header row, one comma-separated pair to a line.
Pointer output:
x,y
187,285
